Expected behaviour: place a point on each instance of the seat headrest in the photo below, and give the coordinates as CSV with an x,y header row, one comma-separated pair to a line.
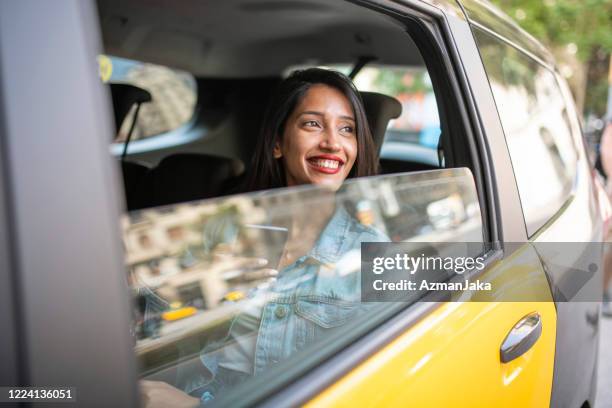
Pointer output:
x,y
380,109
124,97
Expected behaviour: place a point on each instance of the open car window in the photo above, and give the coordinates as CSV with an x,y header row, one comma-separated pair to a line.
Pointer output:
x,y
229,289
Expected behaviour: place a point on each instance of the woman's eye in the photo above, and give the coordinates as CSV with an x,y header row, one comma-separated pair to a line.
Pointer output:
x,y
348,129
311,123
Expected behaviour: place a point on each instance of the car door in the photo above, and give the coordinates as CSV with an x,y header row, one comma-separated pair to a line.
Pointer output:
x,y
557,197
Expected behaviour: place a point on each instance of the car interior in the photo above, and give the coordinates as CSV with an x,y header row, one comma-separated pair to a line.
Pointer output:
x,y
236,66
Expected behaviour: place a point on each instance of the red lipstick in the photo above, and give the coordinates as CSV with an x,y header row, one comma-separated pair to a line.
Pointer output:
x,y
326,163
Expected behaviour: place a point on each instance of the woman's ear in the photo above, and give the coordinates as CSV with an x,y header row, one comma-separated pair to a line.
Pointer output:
x,y
277,151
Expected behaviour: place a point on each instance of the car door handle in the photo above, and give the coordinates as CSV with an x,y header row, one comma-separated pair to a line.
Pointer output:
x,y
523,335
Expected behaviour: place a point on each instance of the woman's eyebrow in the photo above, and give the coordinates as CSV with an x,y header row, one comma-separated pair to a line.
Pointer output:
x,y
312,113
322,115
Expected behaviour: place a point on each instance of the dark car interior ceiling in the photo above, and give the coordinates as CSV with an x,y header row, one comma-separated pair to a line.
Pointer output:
x,y
238,50
246,38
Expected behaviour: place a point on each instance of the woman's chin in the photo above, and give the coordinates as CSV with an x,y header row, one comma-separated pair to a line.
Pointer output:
x,y
329,183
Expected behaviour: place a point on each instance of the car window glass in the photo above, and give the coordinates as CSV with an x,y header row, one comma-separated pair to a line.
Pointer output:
x,y
491,17
229,288
537,128
173,92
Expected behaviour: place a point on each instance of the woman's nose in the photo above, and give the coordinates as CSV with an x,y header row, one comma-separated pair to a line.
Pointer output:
x,y
330,141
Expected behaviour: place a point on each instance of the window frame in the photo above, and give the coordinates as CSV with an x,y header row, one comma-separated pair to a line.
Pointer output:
x,y
12,370
47,241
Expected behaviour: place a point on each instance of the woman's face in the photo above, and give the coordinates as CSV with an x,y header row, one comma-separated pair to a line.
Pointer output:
x,y
319,143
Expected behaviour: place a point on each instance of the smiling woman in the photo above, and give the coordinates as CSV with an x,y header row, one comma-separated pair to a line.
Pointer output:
x,y
319,140
315,131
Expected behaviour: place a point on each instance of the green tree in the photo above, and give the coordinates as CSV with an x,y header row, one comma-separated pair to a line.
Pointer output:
x,y
581,27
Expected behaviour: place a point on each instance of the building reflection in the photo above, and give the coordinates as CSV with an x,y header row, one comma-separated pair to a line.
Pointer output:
x,y
191,265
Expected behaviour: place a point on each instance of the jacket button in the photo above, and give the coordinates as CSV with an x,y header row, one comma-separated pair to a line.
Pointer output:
x,y
280,312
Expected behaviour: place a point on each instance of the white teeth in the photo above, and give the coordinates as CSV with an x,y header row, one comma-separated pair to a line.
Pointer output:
x,y
330,164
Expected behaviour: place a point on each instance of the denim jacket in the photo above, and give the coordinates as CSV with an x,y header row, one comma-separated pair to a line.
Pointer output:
x,y
318,292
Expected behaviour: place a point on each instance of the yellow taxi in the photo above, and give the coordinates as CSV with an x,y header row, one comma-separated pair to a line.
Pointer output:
x,y
236,301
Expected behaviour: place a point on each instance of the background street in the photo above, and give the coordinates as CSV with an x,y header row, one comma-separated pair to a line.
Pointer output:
x,y
604,393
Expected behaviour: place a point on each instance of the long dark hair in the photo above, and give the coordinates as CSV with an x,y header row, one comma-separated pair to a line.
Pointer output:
x,y
268,172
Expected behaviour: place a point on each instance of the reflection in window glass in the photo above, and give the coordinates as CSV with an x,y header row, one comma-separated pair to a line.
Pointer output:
x,y
173,96
537,128
227,289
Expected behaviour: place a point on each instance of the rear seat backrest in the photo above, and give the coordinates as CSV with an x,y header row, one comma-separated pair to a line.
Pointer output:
x,y
133,175
124,97
186,177
380,109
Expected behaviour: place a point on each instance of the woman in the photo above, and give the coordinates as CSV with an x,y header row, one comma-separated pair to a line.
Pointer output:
x,y
315,132
313,113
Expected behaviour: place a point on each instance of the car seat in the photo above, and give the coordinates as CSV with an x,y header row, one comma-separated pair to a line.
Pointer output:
x,y
186,177
380,109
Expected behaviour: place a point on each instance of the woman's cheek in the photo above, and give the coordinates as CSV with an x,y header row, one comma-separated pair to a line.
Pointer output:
x,y
352,152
